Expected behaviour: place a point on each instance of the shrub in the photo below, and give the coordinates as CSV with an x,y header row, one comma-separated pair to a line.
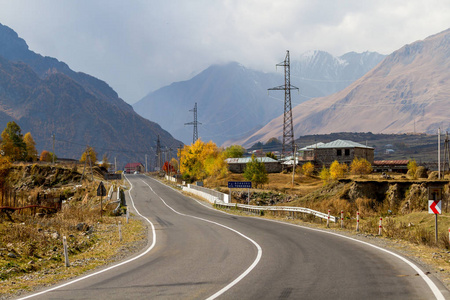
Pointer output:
x,y
360,166
308,169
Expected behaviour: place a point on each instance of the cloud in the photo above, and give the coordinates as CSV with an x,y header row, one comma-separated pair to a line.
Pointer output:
x,y
139,46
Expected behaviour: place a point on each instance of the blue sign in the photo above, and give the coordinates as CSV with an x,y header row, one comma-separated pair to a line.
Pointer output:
x,y
239,184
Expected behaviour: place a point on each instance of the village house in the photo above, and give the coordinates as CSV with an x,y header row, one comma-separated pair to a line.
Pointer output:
x,y
134,167
237,165
344,151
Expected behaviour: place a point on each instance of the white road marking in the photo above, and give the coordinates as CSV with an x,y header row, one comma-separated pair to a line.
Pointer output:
x,y
111,267
437,293
246,272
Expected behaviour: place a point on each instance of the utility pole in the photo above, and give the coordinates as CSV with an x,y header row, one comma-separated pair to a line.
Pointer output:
x,y
158,153
288,127
115,164
145,163
179,157
439,153
53,156
195,123
446,153
293,165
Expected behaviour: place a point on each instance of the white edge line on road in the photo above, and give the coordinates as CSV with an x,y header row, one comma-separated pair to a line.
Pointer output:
x,y
437,293
111,267
246,272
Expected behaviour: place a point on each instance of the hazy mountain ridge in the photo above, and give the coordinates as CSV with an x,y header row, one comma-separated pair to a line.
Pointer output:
x,y
58,104
233,100
408,91
14,48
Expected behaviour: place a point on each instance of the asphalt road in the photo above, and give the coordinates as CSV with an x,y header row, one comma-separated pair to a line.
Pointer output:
x,y
196,252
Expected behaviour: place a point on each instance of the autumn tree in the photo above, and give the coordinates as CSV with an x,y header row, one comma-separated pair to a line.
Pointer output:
x,y
337,170
89,152
412,168
200,160
255,171
234,151
5,166
12,144
174,164
30,144
46,156
168,168
360,166
308,168
105,162
325,175
271,155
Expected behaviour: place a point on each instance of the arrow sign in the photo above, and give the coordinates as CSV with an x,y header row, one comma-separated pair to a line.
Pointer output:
x,y
434,207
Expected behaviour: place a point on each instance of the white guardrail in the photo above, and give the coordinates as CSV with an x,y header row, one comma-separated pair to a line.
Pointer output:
x,y
222,200
276,208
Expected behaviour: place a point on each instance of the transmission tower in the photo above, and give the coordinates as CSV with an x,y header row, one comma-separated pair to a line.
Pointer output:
x,y
158,153
195,123
288,126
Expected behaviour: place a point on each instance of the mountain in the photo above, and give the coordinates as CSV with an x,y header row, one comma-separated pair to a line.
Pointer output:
x,y
15,49
233,100
407,92
78,111
330,74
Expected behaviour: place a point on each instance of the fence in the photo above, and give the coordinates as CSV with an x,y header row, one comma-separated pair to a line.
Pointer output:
x,y
12,200
259,209
211,195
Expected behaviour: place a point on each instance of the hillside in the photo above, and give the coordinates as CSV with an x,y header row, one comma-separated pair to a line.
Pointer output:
x,y
79,114
407,92
233,100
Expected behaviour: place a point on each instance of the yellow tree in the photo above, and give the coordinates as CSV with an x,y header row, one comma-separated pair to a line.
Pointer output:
x,y
337,170
200,160
89,152
32,154
360,166
308,168
412,168
5,166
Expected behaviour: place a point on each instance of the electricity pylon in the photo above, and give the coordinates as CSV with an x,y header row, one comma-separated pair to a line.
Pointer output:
x,y
288,126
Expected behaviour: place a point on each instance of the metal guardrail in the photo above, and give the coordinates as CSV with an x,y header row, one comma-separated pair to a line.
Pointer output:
x,y
277,208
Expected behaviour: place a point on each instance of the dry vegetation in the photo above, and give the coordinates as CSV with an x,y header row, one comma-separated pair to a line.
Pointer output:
x,y
31,248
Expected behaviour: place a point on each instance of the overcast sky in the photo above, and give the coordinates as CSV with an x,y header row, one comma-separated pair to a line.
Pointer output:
x,y
140,46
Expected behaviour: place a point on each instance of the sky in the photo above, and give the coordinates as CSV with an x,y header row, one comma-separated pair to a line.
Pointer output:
x,y
138,46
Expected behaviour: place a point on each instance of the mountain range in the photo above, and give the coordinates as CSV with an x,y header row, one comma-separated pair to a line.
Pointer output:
x,y
233,100
407,92
45,97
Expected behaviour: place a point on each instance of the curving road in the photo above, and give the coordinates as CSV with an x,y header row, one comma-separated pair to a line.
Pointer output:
x,y
196,252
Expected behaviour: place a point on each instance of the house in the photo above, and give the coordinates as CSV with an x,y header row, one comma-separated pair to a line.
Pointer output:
x,y
399,166
134,167
237,165
344,151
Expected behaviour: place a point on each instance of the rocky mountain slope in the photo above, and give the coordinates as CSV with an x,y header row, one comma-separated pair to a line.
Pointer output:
x,y
79,111
233,100
407,92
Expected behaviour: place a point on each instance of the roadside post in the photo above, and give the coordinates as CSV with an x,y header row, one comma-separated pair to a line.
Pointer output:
x,y
101,191
380,226
357,221
240,185
342,219
434,205
66,253
328,219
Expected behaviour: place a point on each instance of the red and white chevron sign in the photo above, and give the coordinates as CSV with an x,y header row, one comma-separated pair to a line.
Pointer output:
x,y
434,207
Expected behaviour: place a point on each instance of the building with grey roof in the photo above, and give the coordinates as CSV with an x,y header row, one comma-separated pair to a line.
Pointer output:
x,y
237,165
344,151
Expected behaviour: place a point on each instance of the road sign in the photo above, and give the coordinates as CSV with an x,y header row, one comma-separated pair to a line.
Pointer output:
x,y
434,207
239,184
101,190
